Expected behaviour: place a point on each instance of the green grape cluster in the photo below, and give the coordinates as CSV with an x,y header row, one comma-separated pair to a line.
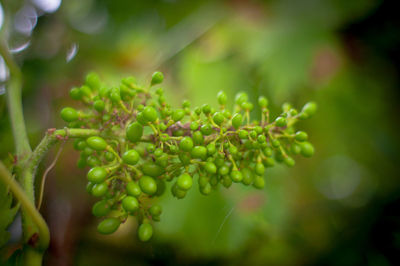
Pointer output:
x,y
144,142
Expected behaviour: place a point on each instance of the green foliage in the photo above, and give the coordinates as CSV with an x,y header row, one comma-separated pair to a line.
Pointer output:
x,y
7,211
144,142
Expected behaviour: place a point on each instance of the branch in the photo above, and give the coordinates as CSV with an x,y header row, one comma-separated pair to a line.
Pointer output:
x,y
27,205
51,138
14,104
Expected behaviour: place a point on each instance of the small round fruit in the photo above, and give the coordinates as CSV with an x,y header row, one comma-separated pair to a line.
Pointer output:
x,y
157,78
210,168
134,132
133,189
101,208
185,181
262,102
150,114
301,136
289,161
69,114
131,157
96,143
145,232
280,122
108,226
152,169
222,98
218,118
99,190
186,144
199,152
309,108
99,105
259,169
148,185
178,114
130,204
237,120
307,149
155,210
97,175
259,182
236,176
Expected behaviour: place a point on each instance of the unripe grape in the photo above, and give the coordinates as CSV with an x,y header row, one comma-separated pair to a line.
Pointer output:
x,y
178,114
157,78
226,113
237,120
259,169
206,129
131,157
222,98
133,189
309,108
262,101
184,181
241,97
93,81
248,176
108,226
148,185
223,170
211,149
268,162
186,144
75,93
96,143
289,161
307,149
243,134
218,118
280,122
261,139
247,106
206,190
69,114
158,152
198,138
210,168
150,148
101,208
184,158
145,232
275,143
206,108
115,95
199,152
97,175
155,210
226,181
236,176
79,144
152,169
99,190
150,114
259,182
295,148
301,136
194,126
99,105
134,132
130,204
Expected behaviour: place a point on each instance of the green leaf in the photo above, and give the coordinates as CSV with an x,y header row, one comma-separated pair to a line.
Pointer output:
x,y
7,213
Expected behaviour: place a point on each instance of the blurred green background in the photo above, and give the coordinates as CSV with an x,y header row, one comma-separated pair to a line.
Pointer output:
x,y
340,207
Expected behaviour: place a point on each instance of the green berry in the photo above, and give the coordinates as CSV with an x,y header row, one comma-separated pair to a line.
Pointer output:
x,y
289,161
261,139
155,210
301,136
96,143
206,108
236,176
69,114
109,156
150,114
206,129
75,93
218,118
108,226
186,144
309,108
243,134
247,176
97,175
211,149
222,98
131,157
307,149
152,169
148,185
194,126
134,132
237,120
178,114
99,190
145,232
210,168
99,105
130,204
259,182
259,169
133,189
280,122
157,78
199,152
101,208
185,181
198,138
223,170
262,101
241,97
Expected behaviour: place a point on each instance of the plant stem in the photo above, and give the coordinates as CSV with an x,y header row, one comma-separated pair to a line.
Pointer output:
x,y
27,205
